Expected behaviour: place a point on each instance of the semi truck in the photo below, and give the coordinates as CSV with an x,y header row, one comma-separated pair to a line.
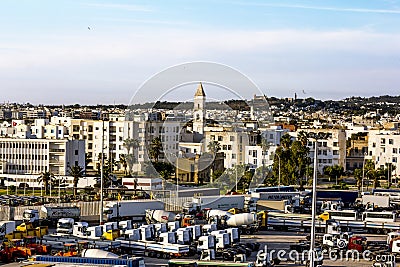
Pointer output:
x,y
48,215
133,210
221,202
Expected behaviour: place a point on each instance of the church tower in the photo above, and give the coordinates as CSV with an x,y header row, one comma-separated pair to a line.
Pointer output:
x,y
199,112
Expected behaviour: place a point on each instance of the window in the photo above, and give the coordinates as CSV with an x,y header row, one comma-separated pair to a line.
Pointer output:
x,y
383,141
255,161
335,143
220,138
335,152
233,156
224,147
394,150
254,153
212,137
76,152
390,141
373,144
394,160
232,138
229,147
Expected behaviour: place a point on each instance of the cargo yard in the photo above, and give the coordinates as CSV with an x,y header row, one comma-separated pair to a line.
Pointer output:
x,y
250,230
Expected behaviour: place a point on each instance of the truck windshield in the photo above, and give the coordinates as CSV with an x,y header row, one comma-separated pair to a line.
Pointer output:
x,y
64,225
107,211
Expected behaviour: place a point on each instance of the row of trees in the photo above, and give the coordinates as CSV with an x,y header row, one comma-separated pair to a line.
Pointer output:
x,y
370,173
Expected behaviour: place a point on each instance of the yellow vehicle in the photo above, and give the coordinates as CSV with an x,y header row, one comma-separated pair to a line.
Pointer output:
x,y
29,230
262,217
235,211
324,216
112,234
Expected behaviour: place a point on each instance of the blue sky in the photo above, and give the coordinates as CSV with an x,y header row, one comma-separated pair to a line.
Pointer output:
x,y
329,49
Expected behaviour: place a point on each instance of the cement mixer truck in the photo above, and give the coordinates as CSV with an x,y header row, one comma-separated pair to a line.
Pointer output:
x,y
246,222
159,216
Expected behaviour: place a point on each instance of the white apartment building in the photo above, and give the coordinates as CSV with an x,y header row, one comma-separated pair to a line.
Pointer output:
x,y
232,140
273,134
255,156
384,148
331,149
27,158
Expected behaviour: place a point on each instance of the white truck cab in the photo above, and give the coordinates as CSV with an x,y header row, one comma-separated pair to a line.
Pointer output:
x,y
65,225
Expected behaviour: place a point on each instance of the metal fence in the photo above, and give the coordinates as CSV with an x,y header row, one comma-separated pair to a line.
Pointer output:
x,y
87,208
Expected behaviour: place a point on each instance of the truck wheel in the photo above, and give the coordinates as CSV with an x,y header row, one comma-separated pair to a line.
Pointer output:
x,y
164,256
247,231
378,231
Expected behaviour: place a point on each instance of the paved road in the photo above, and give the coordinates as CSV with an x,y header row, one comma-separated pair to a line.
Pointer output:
x,y
273,241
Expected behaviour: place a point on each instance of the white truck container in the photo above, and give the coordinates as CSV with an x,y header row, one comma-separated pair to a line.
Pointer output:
x,y
221,202
376,201
48,215
135,210
219,213
159,216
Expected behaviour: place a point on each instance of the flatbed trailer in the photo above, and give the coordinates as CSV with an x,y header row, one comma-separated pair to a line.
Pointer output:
x,y
287,224
57,242
154,249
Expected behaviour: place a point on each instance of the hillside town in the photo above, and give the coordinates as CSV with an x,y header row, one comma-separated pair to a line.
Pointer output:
x,y
194,143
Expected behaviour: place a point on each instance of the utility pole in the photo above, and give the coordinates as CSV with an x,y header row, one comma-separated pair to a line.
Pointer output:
x,y
102,172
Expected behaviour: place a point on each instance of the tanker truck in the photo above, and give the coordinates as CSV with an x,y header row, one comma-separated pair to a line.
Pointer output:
x,y
159,216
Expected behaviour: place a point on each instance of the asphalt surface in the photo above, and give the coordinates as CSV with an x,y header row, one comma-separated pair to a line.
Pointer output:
x,y
278,241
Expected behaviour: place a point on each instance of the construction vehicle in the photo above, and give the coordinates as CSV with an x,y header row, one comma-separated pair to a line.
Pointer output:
x,y
70,250
159,216
33,243
15,250
29,230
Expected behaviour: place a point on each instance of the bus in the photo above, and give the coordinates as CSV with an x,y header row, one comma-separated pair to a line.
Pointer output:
x,y
194,263
370,216
343,215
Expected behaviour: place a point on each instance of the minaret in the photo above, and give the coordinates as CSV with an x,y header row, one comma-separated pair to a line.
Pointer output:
x,y
199,110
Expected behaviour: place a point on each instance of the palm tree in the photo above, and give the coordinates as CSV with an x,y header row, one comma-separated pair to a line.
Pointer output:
x,y
214,147
130,144
286,141
46,178
155,149
76,172
122,160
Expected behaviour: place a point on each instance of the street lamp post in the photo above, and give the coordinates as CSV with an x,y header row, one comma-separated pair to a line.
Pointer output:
x,y
362,179
279,172
102,173
314,207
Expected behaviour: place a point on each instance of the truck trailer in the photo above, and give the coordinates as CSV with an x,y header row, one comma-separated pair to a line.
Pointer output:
x,y
133,210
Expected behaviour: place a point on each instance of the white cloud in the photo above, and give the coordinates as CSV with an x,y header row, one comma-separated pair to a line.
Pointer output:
x,y
276,59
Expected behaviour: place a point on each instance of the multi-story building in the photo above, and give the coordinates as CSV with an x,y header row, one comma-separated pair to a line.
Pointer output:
x,y
384,149
331,148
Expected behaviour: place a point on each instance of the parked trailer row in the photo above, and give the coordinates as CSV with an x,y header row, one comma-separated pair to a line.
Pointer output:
x,y
283,224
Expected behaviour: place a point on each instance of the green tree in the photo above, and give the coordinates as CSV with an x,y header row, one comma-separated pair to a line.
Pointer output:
x,y
155,149
77,172
213,147
47,178
359,178
130,145
291,160
123,162
334,171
